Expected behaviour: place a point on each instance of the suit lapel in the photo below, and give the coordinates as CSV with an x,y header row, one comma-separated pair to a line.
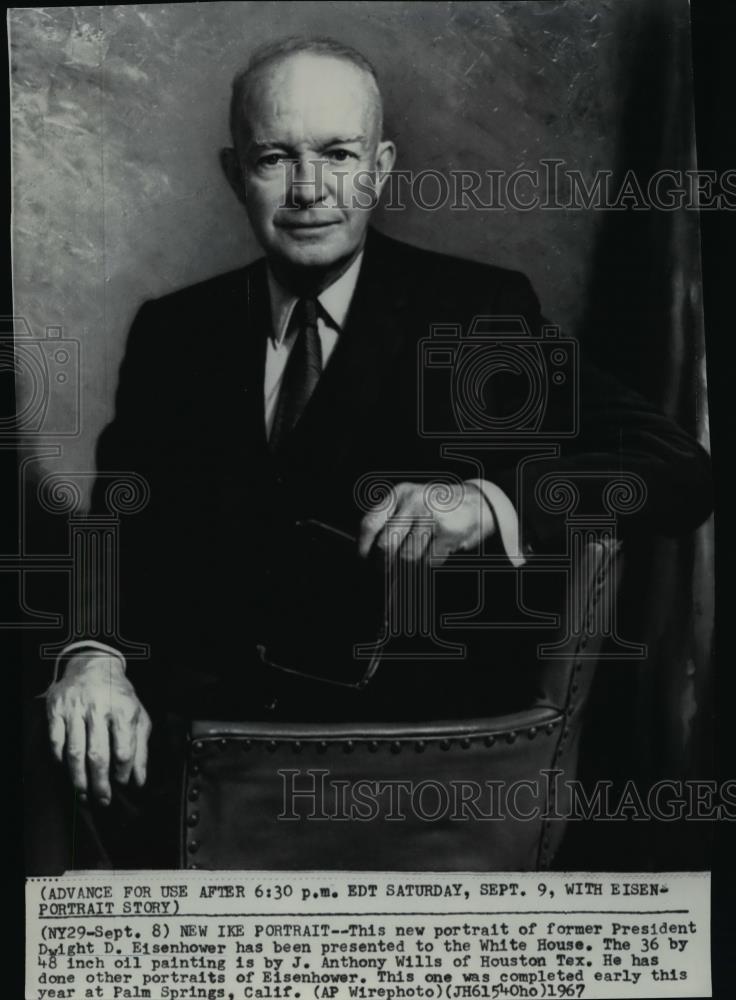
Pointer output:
x,y
235,321
257,328
351,382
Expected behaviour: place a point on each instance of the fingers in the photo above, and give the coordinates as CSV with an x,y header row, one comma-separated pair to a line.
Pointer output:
x,y
396,529
416,542
408,531
402,529
140,762
386,527
372,524
76,752
99,728
57,733
123,737
98,756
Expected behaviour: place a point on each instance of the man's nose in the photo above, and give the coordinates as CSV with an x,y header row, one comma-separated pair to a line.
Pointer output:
x,y
307,182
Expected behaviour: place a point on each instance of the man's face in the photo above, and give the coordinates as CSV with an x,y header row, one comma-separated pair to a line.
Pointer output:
x,y
309,132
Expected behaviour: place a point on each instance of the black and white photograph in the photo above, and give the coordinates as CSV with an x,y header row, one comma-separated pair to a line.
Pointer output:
x,y
365,508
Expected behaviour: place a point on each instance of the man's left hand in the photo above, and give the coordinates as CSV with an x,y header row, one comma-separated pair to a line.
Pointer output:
x,y
427,520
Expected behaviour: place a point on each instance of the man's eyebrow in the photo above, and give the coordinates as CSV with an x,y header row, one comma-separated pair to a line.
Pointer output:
x,y
338,141
267,144
261,144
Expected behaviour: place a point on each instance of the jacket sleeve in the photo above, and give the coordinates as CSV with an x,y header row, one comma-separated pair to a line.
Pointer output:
x,y
128,445
620,438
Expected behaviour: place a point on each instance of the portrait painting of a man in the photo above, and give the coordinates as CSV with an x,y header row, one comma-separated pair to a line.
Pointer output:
x,y
382,498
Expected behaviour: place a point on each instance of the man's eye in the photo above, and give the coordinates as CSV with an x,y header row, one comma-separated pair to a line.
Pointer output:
x,y
340,155
270,159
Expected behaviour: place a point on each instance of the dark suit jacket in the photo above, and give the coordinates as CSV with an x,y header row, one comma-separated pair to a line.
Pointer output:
x,y
190,418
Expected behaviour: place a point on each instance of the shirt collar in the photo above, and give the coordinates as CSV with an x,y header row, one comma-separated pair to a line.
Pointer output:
x,y
334,300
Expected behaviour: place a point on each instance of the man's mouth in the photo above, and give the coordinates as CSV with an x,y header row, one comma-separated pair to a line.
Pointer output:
x,y
307,225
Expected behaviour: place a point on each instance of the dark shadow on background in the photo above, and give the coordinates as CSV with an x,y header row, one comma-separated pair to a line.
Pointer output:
x,y
652,720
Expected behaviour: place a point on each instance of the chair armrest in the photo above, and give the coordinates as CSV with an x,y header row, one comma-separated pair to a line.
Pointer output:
x,y
566,667
500,727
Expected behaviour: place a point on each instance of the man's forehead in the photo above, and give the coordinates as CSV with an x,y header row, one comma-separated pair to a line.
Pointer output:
x,y
309,92
324,121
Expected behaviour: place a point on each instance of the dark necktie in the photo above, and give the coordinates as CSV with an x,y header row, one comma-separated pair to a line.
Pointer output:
x,y
301,373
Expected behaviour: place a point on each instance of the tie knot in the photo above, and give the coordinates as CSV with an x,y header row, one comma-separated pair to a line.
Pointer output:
x,y
306,312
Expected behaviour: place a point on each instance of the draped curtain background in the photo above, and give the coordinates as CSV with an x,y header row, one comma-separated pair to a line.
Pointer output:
x,y
644,320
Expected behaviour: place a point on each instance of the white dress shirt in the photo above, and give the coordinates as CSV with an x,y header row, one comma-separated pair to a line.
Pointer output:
x,y
334,305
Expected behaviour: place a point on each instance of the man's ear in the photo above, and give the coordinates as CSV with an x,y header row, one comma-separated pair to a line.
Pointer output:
x,y
385,159
230,163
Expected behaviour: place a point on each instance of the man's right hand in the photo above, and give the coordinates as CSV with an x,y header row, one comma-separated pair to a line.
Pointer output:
x,y
98,724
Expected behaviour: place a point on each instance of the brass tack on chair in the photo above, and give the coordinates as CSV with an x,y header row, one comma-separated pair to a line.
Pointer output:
x,y
445,744
223,744
193,794
271,746
550,727
193,866
195,769
532,732
465,743
511,737
489,741
396,747
348,746
197,746
373,746
246,744
296,746
420,746
322,746
193,846
193,819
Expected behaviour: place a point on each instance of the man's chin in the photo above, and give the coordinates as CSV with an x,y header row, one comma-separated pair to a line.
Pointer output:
x,y
320,252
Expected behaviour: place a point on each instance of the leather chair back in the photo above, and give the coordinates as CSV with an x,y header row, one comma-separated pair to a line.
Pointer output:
x,y
485,794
